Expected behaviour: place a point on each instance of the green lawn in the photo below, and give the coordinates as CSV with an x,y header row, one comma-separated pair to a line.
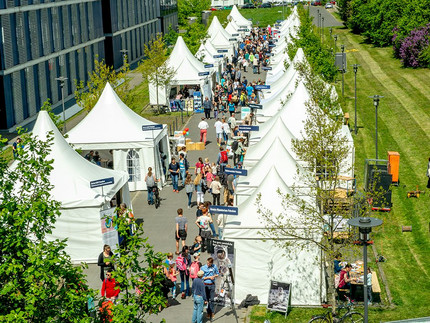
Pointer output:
x,y
403,126
260,16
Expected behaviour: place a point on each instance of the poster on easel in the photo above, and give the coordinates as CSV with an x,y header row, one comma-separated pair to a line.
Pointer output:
x,y
109,233
279,296
222,252
197,101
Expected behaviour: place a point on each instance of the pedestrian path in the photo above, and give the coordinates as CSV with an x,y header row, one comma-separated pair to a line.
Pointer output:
x,y
159,224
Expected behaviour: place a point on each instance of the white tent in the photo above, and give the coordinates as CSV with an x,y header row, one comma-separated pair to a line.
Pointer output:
x,y
276,156
112,125
216,27
187,68
207,53
277,81
71,175
280,142
255,266
232,28
240,20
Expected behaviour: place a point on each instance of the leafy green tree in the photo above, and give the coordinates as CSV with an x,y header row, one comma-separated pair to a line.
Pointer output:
x,y
154,67
195,35
139,271
191,8
87,94
38,282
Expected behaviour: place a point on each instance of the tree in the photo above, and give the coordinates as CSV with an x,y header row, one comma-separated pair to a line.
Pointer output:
x,y
87,94
154,67
139,271
38,282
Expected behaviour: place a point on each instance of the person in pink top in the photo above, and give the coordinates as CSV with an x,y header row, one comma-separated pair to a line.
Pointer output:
x,y
173,275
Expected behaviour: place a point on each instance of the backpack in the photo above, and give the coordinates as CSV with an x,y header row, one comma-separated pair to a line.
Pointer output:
x,y
150,181
224,157
194,269
234,145
181,263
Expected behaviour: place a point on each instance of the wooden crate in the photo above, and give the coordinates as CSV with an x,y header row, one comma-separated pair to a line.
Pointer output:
x,y
199,146
191,146
188,140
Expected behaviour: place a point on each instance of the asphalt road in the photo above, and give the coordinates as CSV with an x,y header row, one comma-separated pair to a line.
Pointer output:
x,y
329,19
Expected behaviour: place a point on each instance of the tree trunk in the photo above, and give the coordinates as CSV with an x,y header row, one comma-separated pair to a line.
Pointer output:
x,y
331,290
156,84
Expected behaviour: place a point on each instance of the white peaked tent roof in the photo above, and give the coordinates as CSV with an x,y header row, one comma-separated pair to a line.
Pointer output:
x,y
232,27
279,83
294,112
110,121
71,174
278,70
272,141
206,52
216,27
301,270
237,17
220,41
284,163
273,104
185,64
274,126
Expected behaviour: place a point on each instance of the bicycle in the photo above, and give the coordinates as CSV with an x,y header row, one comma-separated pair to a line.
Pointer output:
x,y
349,317
157,199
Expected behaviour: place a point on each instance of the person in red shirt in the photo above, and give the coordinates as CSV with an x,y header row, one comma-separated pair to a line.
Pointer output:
x,y
110,288
345,280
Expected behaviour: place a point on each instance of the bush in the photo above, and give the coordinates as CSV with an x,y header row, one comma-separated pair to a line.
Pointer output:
x,y
414,48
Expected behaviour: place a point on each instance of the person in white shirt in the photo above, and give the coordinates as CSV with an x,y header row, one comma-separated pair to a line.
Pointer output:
x,y
225,129
218,130
203,126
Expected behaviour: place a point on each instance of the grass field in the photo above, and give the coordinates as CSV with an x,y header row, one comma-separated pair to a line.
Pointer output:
x,y
403,126
260,16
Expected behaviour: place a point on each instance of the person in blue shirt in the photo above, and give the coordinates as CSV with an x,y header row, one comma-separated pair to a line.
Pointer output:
x,y
249,90
210,273
174,174
199,297
337,266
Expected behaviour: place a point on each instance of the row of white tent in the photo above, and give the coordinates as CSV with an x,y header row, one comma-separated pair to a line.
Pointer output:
x,y
272,165
110,125
198,69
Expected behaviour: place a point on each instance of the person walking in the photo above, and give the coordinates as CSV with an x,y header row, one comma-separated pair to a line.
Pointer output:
x,y
203,223
199,298
207,107
210,273
183,167
203,126
189,189
225,130
184,271
181,229
150,181
174,174
110,288
218,131
216,190
198,182
105,261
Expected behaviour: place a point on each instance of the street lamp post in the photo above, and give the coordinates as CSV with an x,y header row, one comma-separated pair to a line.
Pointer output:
x,y
322,29
335,40
365,226
319,23
62,80
376,104
342,47
318,19
355,67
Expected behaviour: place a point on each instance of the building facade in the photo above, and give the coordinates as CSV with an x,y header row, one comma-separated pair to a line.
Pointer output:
x,y
41,40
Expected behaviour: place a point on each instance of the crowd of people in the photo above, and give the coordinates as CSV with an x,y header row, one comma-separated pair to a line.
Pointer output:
x,y
206,178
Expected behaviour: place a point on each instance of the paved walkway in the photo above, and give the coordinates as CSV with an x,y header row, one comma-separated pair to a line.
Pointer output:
x,y
159,225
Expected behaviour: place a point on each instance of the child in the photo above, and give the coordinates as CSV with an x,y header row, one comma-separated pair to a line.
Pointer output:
x,y
195,266
173,277
169,259
214,169
369,285
196,247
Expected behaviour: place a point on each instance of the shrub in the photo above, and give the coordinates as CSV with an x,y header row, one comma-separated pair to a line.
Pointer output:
x,y
413,50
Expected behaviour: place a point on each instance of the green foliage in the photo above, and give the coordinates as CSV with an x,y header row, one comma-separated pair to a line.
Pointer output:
x,y
55,118
87,94
195,35
317,54
191,8
154,67
138,267
376,19
38,282
170,37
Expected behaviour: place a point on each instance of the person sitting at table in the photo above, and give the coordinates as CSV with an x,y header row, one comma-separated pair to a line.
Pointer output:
x,y
337,263
345,280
